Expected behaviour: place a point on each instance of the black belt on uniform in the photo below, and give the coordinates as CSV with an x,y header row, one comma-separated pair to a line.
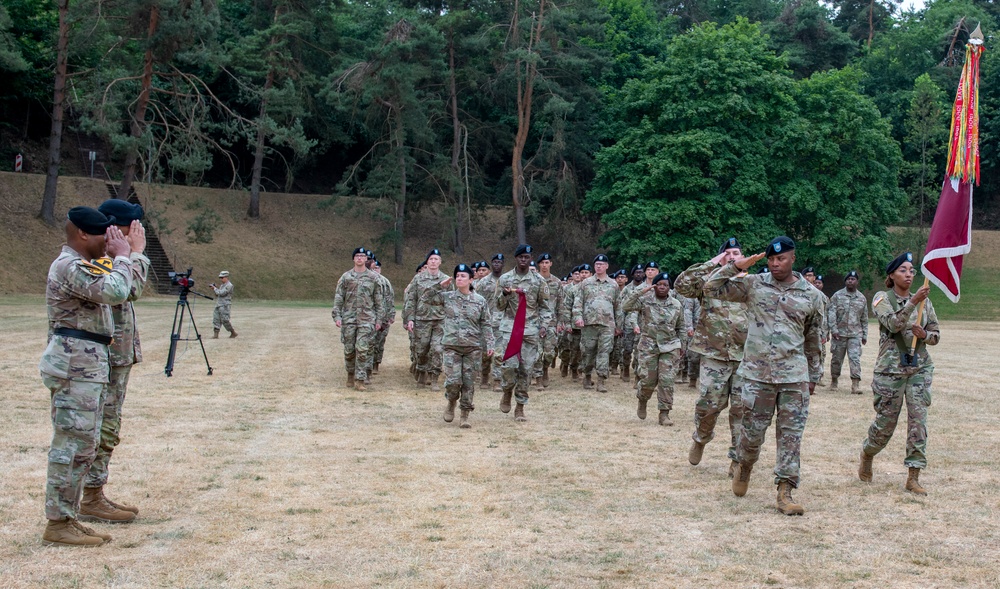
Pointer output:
x,y
81,334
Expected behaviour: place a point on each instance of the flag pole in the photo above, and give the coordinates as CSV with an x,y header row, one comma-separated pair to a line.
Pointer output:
x,y
920,312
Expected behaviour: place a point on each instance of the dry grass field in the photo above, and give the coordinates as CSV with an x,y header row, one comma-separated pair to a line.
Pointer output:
x,y
270,473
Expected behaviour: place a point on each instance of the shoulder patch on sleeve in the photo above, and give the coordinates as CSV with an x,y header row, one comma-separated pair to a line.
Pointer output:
x,y
97,269
878,299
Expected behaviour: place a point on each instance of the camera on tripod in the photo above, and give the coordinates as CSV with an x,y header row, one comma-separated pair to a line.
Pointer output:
x,y
182,279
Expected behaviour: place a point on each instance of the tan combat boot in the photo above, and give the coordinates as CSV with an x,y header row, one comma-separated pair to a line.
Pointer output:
x,y
587,382
519,413
741,479
833,382
91,531
665,417
912,484
449,411
696,452
67,533
434,383
865,468
505,401
732,469
93,507
576,373
359,385
601,387
215,335
564,370
786,504
464,423
625,373
640,411
350,379
233,334
117,505
422,377
855,386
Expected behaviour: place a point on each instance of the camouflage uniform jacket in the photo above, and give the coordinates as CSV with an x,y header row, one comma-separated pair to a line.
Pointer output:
x,y
224,295
785,324
423,301
720,329
536,294
597,302
692,308
897,315
486,287
630,319
555,301
826,321
662,319
847,314
388,300
359,298
466,321
79,295
566,311
125,350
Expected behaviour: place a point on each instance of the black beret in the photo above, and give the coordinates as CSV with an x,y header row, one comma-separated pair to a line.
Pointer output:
x,y
893,265
434,252
586,268
90,220
779,245
497,256
123,211
661,276
601,258
358,250
808,270
377,263
544,257
764,270
420,267
852,274
523,249
637,267
819,277
575,270
462,268
369,253
532,264
730,243
651,264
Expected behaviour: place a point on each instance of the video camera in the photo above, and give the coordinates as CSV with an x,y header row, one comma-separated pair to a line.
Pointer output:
x,y
182,279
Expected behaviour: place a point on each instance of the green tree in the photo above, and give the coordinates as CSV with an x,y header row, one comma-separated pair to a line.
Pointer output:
x,y
804,34
926,133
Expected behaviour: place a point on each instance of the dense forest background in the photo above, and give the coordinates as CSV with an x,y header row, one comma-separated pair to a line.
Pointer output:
x,y
662,126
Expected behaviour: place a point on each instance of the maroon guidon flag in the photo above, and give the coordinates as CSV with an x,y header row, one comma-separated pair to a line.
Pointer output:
x,y
517,333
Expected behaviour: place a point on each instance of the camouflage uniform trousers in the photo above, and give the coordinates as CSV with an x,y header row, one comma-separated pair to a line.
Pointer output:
x,y
760,402
379,347
822,360
640,361
616,352
111,425
427,345
596,342
461,368
547,353
357,339
491,364
850,346
659,374
719,386
571,349
516,372
890,392
693,361
76,429
220,318
629,339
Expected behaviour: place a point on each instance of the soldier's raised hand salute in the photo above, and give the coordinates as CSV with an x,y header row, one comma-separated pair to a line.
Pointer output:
x,y
115,242
746,263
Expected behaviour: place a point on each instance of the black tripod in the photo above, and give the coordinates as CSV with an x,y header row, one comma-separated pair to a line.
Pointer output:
x,y
175,332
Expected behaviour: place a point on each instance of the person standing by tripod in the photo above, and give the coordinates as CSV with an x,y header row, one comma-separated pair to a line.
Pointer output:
x,y
223,304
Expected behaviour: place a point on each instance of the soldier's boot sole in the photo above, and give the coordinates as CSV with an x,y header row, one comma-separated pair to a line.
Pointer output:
x,y
68,533
913,483
696,452
865,467
505,401
640,410
741,479
464,423
665,418
785,503
449,412
519,413
359,385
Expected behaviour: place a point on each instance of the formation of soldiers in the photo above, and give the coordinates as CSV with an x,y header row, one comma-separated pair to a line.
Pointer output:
x,y
752,342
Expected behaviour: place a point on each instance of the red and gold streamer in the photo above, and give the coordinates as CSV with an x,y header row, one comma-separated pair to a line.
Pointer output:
x,y
963,148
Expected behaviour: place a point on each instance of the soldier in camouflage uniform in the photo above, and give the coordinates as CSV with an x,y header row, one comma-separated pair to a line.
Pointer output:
x,y
780,360
517,370
598,314
389,306
550,340
720,330
486,287
467,332
663,323
572,352
423,313
409,333
630,323
899,376
358,310
847,316
809,273
622,279
75,366
691,359
223,305
124,352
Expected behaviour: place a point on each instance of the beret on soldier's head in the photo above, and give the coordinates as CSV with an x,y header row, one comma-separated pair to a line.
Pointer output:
x,y
819,278
497,256
523,249
123,211
601,258
895,264
779,245
809,270
637,267
730,243
651,264
90,221
462,268
532,264
852,274
575,269
586,268
420,267
661,276
764,270
377,263
544,257
434,252
358,250
369,253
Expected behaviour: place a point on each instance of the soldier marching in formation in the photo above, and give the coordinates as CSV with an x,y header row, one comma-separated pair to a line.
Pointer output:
x,y
847,317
